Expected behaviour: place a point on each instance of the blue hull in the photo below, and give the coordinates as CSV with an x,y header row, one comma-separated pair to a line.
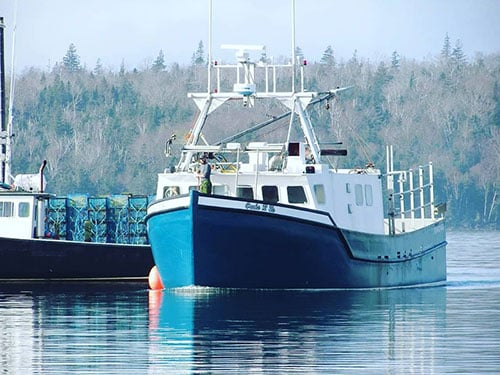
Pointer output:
x,y
221,244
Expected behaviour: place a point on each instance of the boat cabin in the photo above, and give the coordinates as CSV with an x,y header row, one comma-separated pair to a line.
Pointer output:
x,y
274,174
22,214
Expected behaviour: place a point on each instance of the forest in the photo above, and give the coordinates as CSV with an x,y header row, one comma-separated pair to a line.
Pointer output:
x,y
103,132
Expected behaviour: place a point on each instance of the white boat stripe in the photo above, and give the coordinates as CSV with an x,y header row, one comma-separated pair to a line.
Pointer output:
x,y
169,204
265,208
183,202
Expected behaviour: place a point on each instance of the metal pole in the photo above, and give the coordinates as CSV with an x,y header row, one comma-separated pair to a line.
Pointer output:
x,y
431,189
209,63
401,195
412,195
421,187
293,46
3,128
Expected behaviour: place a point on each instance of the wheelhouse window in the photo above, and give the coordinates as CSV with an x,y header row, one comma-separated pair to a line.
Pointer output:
x,y
358,194
6,209
270,194
219,189
170,191
368,195
319,192
24,209
296,194
245,192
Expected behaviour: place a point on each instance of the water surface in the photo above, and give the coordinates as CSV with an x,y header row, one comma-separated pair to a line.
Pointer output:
x,y
122,328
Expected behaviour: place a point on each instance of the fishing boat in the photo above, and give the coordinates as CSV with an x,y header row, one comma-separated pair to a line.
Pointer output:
x,y
282,215
30,252
34,247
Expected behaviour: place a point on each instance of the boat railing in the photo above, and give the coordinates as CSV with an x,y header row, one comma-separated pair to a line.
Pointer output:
x,y
263,77
413,191
234,156
411,198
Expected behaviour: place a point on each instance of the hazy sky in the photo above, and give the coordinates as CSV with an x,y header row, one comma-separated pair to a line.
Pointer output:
x,y
134,31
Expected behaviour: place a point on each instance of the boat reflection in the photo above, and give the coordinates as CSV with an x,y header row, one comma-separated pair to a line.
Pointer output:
x,y
209,330
72,327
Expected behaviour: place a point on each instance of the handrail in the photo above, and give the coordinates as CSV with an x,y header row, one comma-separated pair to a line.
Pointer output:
x,y
411,192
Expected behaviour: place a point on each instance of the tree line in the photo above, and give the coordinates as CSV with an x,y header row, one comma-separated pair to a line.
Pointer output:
x,y
104,132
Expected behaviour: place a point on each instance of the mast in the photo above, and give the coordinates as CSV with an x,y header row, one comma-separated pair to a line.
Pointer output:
x,y
293,46
294,97
209,62
3,124
6,124
8,144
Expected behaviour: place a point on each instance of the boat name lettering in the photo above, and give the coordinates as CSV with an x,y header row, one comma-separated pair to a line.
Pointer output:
x,y
259,207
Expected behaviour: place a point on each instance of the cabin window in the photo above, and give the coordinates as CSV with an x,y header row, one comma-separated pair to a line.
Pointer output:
x,y
368,195
245,192
347,187
296,194
270,194
6,209
24,209
319,192
219,189
358,194
294,149
170,191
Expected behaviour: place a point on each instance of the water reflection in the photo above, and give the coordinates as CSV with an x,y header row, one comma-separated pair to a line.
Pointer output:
x,y
263,331
57,328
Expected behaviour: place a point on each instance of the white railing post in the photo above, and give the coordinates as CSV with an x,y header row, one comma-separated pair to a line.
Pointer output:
x,y
412,195
401,195
421,188
431,189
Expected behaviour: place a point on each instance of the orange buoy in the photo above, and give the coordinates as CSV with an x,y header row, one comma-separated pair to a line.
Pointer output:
x,y
154,279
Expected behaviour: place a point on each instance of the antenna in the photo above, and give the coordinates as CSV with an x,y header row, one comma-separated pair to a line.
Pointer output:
x,y
242,55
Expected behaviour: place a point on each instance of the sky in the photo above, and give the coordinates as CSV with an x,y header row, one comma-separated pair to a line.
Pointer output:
x,y
133,32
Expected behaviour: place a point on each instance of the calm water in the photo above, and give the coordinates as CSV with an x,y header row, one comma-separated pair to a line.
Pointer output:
x,y
126,329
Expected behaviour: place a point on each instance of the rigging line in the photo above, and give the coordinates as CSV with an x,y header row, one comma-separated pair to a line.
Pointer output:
x,y
326,96
253,128
362,144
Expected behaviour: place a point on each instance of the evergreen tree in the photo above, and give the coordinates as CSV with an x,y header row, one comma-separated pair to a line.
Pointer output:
x,y
354,58
98,70
458,55
71,61
496,100
411,84
328,57
446,50
159,63
122,68
198,57
395,60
